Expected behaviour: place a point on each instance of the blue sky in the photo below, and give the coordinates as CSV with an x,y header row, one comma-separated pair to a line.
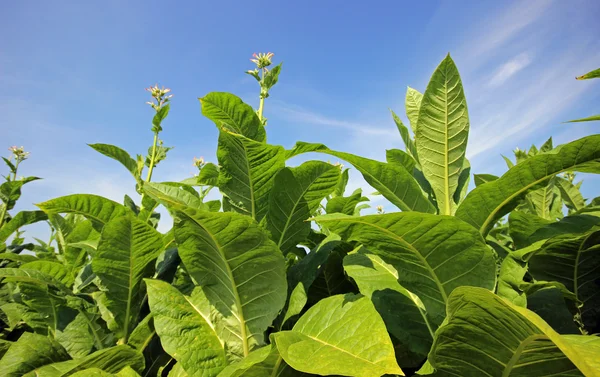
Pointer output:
x,y
74,72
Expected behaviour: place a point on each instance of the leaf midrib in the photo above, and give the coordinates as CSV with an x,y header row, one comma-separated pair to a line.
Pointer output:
x,y
518,352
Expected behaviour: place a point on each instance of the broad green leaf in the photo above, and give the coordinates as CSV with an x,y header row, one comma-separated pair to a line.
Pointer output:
x,y
489,202
403,312
119,155
126,254
231,114
240,270
96,208
209,175
480,179
542,200
523,225
442,133
54,269
320,342
10,191
396,156
432,254
297,193
345,204
32,276
29,352
395,183
168,194
22,258
550,304
413,105
510,279
247,171
184,331
570,194
110,360
142,334
92,372
487,336
590,75
573,262
19,220
340,188
409,143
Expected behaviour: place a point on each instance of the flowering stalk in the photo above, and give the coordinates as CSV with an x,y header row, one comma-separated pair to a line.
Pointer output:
x,y
265,77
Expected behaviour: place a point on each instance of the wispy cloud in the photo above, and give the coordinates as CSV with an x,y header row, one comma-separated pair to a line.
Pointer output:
x,y
299,114
508,69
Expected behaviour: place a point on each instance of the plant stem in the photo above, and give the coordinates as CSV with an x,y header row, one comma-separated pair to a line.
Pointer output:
x,y
152,157
261,106
5,207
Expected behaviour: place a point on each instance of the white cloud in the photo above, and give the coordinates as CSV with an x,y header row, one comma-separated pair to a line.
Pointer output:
x,y
508,69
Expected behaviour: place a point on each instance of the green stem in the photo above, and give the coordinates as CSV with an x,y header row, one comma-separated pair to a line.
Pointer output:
x,y
261,106
5,207
152,158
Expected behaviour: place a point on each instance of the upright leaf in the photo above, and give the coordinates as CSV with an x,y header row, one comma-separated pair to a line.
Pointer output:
x,y
432,254
231,114
570,194
442,133
126,254
296,194
320,342
413,105
489,202
240,270
409,143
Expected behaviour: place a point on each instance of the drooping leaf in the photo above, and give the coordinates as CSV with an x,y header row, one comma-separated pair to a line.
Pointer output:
x,y
126,254
247,172
167,194
573,262
402,311
184,331
432,254
320,342
119,155
489,202
296,194
29,352
413,104
231,114
19,220
96,208
240,270
442,133
396,156
486,335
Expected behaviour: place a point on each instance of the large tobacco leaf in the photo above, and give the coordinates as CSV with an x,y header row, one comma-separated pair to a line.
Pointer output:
x,y
126,254
19,220
185,330
96,208
432,254
247,171
29,352
442,132
320,342
488,202
485,335
297,193
231,114
240,270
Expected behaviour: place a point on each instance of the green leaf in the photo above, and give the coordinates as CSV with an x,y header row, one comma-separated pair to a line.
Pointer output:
x,y
320,342
126,254
489,202
403,159
587,119
31,276
590,75
119,155
442,133
463,182
247,172
340,188
523,225
19,220
570,194
169,194
487,336
542,200
209,175
395,183
29,352
550,304
413,105
271,77
409,144
510,279
432,254
184,331
109,360
231,114
10,191
345,204
483,178
239,268
403,312
572,261
296,194
96,208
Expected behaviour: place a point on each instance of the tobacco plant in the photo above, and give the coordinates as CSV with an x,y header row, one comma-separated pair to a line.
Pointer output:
x,y
283,276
